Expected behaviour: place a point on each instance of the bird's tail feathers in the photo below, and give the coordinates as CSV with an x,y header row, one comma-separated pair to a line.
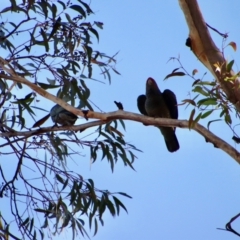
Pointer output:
x,y
172,143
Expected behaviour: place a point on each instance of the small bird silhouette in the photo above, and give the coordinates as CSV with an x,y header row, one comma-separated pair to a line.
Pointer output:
x,y
61,116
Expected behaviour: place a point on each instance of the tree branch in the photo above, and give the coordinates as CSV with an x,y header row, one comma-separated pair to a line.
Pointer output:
x,y
13,31
124,115
16,172
229,225
207,52
105,117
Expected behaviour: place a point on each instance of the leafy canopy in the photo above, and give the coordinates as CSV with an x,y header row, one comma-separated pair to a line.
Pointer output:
x,y
52,44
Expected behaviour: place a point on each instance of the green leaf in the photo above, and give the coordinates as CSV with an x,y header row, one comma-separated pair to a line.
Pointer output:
x,y
207,102
89,53
43,5
19,85
106,72
210,122
23,69
208,83
110,207
9,45
31,225
94,32
31,65
175,74
99,24
26,106
229,66
56,26
45,224
13,120
103,149
51,81
126,160
87,37
91,183
45,39
78,9
197,119
190,101
60,179
54,11
228,119
41,233
25,221
124,194
174,70
89,10
3,85
81,228
206,114
63,4
200,90
86,93
119,203
40,210
89,70
21,120
69,18
47,86
190,121
122,123
95,226
34,235
66,221
116,71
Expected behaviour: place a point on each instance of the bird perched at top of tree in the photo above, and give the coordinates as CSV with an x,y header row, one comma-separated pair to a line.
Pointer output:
x,y
163,105
61,116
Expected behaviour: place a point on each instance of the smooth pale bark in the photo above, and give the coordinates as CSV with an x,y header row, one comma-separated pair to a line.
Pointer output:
x,y
207,52
106,117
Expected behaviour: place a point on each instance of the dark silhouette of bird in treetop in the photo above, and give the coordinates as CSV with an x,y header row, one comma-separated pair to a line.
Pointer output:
x,y
61,116
163,105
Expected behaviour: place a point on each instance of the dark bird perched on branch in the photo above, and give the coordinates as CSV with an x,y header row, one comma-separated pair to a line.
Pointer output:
x,y
163,105
61,116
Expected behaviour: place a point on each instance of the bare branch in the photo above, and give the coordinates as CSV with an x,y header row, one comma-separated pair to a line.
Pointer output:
x,y
16,27
224,35
16,172
229,225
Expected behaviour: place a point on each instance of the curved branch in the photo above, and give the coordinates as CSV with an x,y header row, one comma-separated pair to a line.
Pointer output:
x,y
16,27
105,117
124,115
207,52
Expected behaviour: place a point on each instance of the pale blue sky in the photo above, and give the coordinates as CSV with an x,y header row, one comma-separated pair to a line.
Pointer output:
x,y
182,195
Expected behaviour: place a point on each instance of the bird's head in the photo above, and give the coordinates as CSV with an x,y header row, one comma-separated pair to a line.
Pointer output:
x,y
151,87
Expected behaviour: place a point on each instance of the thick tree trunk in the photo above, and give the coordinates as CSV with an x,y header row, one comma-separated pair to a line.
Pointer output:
x,y
207,52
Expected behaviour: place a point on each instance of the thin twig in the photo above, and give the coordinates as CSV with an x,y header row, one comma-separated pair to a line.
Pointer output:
x,y
224,35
